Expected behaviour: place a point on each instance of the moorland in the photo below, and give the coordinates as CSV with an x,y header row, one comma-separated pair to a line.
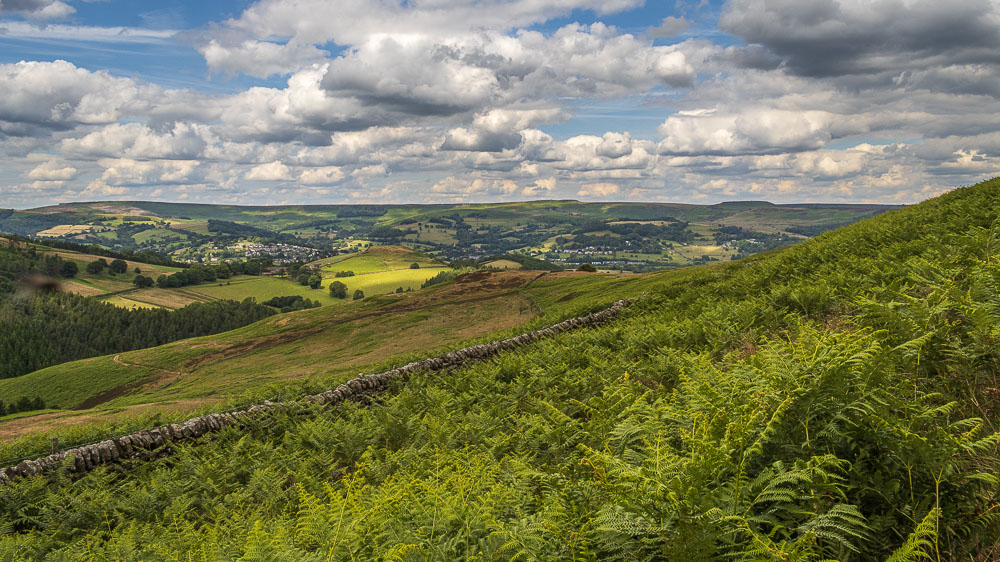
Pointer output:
x,y
835,398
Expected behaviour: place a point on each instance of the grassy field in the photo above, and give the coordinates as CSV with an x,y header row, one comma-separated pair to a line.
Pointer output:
x,y
380,270
65,230
376,259
260,288
91,284
159,235
316,347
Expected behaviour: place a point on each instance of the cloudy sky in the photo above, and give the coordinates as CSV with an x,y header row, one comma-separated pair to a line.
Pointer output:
x,y
408,101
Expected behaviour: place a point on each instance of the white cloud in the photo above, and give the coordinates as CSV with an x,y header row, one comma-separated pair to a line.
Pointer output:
x,y
271,171
260,58
325,175
58,94
746,131
135,140
598,190
52,170
468,100
37,9
540,187
670,26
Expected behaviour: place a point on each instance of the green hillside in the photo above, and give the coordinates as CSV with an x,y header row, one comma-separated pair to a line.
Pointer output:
x,y
314,349
378,270
832,400
627,236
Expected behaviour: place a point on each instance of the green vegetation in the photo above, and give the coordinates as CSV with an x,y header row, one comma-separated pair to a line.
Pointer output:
x,y
338,290
638,237
832,400
42,326
441,277
291,303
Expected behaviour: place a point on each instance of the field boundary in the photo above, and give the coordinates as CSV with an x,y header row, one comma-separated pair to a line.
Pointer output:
x,y
144,444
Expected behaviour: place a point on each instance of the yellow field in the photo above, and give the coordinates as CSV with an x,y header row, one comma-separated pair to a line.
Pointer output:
x,y
66,229
384,282
123,302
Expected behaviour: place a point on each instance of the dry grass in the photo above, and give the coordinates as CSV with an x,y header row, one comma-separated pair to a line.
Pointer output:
x,y
166,298
81,289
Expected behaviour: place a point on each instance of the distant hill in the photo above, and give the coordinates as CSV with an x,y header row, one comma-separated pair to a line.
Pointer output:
x,y
565,233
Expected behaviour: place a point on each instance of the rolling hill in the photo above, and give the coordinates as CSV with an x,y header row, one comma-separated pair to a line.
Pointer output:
x,y
635,236
836,399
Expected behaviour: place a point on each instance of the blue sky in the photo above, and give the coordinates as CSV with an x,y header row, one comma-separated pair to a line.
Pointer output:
x,y
274,101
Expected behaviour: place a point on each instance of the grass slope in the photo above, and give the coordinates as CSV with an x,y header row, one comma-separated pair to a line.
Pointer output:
x,y
380,269
834,400
318,347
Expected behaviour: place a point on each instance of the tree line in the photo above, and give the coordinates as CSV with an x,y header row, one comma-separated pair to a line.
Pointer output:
x,y
200,273
39,328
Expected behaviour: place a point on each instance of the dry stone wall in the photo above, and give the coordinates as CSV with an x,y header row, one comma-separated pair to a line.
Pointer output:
x,y
144,444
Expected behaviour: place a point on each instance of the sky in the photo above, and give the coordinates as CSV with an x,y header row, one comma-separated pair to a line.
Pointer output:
x,y
451,101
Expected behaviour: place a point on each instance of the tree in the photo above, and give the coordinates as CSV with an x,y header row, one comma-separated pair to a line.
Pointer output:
x,y
303,278
359,294
315,281
118,266
142,281
414,265
137,271
399,290
96,267
69,269
587,267
338,290
24,404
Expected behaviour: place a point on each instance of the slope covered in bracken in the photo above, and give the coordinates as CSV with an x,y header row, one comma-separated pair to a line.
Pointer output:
x,y
837,399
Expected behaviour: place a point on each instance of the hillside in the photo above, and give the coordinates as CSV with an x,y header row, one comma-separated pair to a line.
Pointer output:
x,y
378,270
832,400
43,325
632,236
316,348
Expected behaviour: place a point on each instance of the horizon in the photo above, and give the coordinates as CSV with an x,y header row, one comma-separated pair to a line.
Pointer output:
x,y
254,102
466,203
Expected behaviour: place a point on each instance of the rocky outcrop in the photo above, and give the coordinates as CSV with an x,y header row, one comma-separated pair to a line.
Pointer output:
x,y
143,444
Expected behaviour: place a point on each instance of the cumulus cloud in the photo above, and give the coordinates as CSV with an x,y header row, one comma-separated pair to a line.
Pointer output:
x,y
476,186
750,131
325,175
598,190
540,187
37,9
136,140
59,95
350,22
260,58
670,26
52,170
498,129
468,100
837,37
271,171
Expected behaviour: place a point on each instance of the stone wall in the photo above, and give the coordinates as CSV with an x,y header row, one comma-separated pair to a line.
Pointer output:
x,y
143,444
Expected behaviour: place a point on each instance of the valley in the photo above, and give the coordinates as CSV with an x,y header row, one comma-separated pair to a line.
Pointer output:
x,y
784,372
621,236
